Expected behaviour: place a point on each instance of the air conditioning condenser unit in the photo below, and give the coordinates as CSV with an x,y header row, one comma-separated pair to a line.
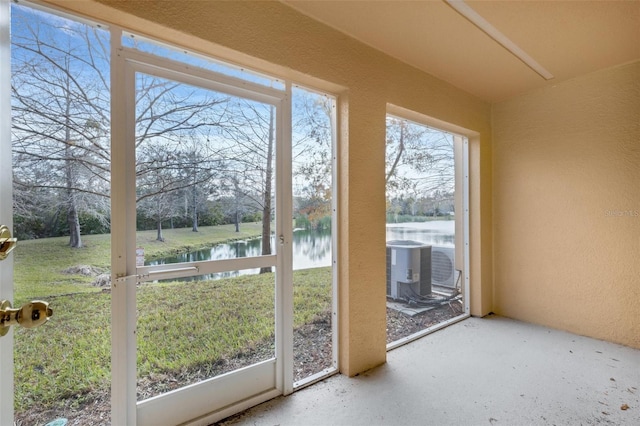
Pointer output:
x,y
408,269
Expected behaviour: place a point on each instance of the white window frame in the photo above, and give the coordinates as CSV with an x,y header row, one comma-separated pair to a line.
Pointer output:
x,y
460,138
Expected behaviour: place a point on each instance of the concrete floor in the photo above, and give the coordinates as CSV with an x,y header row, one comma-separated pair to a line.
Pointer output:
x,y
491,371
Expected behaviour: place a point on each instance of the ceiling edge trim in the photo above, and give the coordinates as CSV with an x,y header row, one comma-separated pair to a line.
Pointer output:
x,y
465,10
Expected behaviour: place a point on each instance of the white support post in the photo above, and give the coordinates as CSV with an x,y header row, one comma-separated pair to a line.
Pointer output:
x,y
466,229
284,303
335,255
123,237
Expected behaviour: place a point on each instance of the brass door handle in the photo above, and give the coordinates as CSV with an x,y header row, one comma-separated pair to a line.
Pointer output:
x,y
30,315
6,242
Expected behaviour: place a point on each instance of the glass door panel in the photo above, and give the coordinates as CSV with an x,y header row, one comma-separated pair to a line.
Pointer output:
x,y
61,216
206,245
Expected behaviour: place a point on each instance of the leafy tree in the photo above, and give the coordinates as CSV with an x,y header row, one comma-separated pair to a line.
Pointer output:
x,y
312,156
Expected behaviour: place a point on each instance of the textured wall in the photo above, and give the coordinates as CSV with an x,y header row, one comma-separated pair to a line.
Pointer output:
x,y
567,206
275,38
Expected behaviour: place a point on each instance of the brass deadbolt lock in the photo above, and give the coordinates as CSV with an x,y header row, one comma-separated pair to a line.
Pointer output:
x,y
6,242
30,315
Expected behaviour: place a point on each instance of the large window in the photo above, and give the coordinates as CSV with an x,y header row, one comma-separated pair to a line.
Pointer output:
x,y
424,279
61,161
314,340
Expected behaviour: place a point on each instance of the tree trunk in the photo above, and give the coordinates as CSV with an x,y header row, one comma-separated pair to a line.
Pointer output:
x,y
159,236
195,209
392,170
266,210
237,203
75,240
73,220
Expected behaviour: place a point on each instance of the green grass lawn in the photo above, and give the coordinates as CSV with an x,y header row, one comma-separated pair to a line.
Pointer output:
x,y
181,325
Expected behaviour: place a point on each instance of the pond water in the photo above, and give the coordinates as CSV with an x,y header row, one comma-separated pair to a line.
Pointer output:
x,y
435,233
312,249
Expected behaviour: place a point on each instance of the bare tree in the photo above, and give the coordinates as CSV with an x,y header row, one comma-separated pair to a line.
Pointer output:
x,y
60,103
60,128
237,200
267,197
419,165
250,135
176,148
157,183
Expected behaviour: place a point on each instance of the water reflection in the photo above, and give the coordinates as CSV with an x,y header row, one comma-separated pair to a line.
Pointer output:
x,y
311,249
232,250
437,232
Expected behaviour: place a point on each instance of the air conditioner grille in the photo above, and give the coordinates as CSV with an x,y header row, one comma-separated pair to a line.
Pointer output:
x,y
443,266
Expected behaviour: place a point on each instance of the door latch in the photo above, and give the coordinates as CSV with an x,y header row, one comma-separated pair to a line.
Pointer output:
x,y
6,242
30,315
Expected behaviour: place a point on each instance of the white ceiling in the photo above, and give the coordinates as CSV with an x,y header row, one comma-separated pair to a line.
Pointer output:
x,y
568,38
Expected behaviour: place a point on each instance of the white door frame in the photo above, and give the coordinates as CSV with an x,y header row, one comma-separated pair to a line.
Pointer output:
x,y
6,210
252,384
